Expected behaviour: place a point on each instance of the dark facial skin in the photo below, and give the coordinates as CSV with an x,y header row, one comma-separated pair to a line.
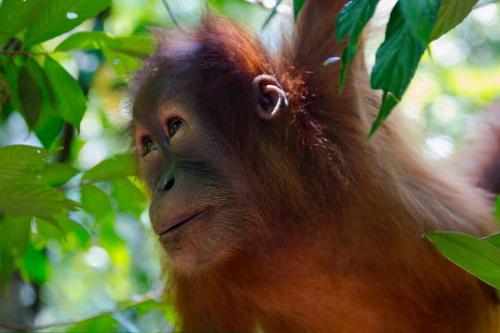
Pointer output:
x,y
200,206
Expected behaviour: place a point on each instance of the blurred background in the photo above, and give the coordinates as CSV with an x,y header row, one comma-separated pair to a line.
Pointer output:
x,y
104,272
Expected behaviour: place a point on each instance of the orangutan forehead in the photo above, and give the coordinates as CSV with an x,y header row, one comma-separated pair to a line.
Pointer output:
x,y
166,77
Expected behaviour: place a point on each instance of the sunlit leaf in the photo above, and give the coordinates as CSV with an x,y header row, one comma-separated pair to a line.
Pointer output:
x,y
115,167
34,265
451,13
70,100
477,256
59,16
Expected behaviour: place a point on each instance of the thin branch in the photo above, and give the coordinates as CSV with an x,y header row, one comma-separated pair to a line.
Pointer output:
x,y
281,8
144,298
170,13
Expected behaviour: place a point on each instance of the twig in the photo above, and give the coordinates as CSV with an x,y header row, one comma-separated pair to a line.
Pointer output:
x,y
29,328
281,9
170,13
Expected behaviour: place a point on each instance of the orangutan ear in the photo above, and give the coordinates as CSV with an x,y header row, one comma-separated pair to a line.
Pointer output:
x,y
271,101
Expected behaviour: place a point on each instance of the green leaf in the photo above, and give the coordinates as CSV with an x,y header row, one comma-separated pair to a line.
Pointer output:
x,y
12,78
118,166
15,15
22,192
353,18
122,63
297,6
139,46
477,256
350,23
420,17
57,174
388,103
48,125
30,97
493,239
34,265
70,100
451,13
14,239
85,40
123,53
95,201
128,197
59,16
395,64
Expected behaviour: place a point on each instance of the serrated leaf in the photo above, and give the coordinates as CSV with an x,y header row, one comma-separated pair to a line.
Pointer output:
x,y
420,17
353,18
115,167
70,102
30,97
22,192
57,174
477,256
15,15
451,13
15,159
395,64
32,198
59,16
350,23
297,7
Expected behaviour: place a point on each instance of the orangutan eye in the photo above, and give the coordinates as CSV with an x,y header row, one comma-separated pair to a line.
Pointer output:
x,y
174,125
148,145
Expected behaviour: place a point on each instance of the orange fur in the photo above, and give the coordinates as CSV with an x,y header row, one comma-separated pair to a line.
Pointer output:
x,y
341,246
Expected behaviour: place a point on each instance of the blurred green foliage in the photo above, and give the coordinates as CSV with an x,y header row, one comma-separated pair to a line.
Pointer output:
x,y
76,250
